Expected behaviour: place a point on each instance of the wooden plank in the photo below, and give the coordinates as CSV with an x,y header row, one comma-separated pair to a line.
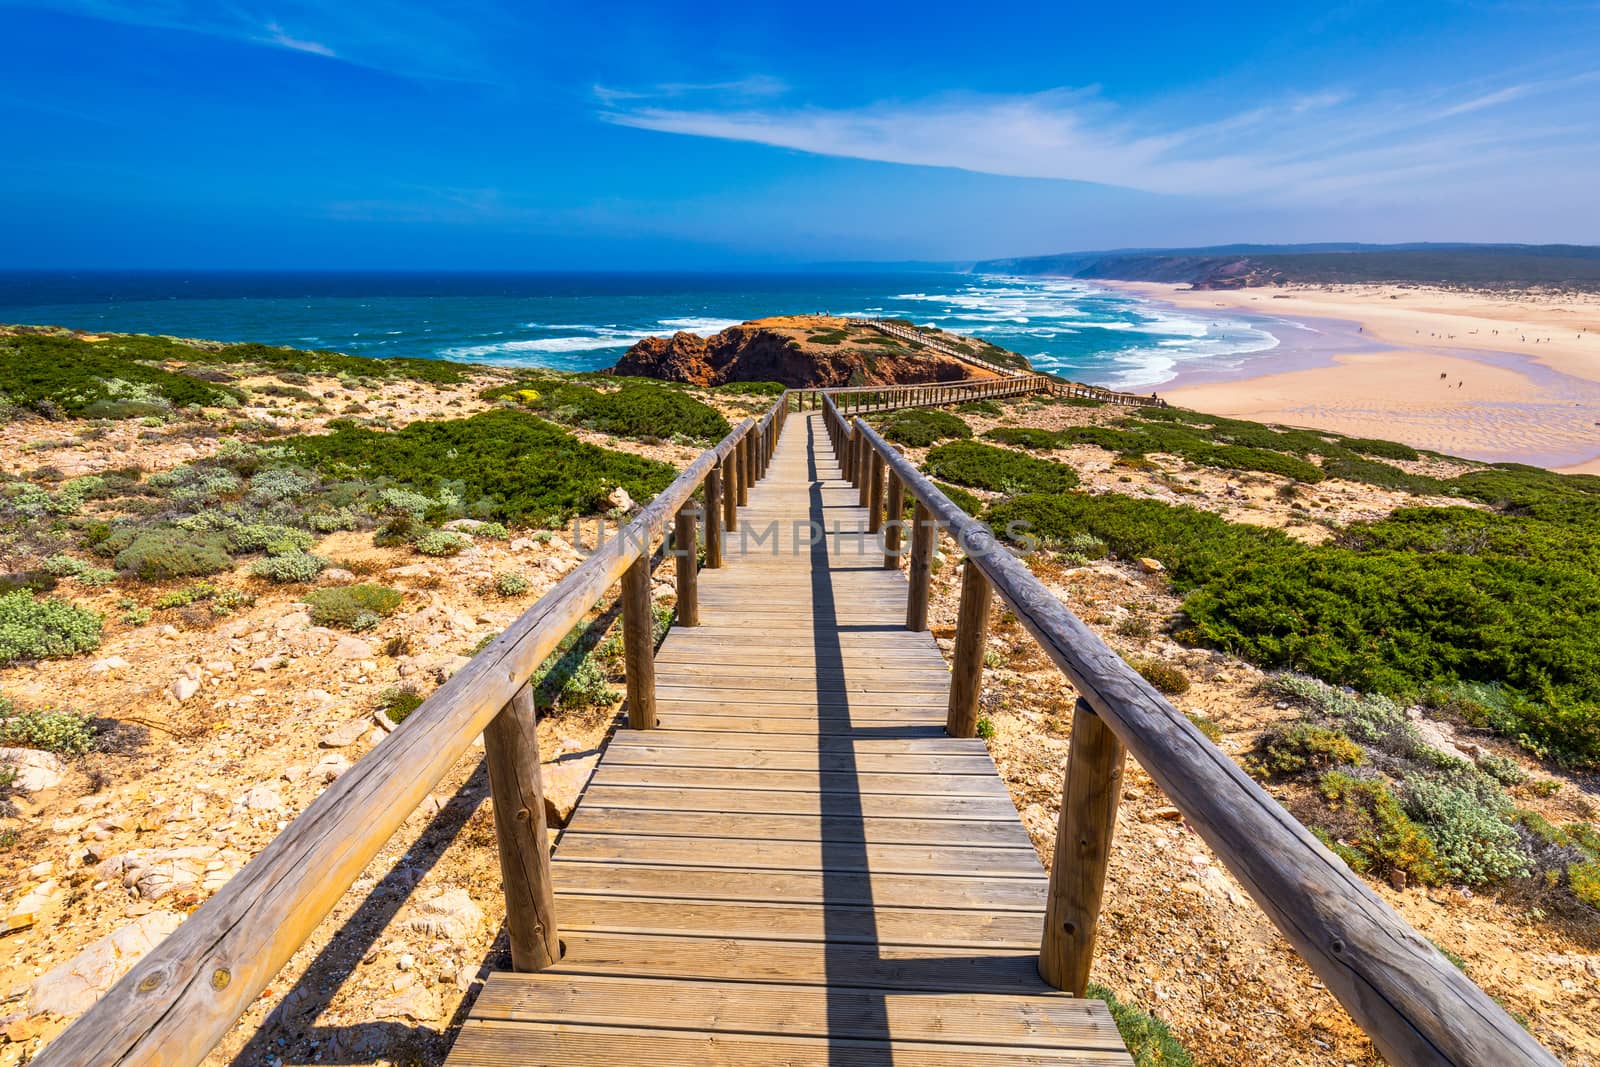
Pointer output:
x,y
814,888
933,745
843,855
846,783
719,796
974,968
837,1011
975,833
841,923
841,761
486,1044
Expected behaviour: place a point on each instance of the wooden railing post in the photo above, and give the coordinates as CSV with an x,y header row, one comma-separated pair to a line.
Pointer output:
x,y
511,751
894,510
966,668
864,466
730,490
714,517
921,569
1083,849
875,494
686,550
745,470
638,643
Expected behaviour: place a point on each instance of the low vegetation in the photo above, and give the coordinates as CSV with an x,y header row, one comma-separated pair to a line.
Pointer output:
x,y
1000,470
66,733
1393,804
635,408
353,607
503,465
51,628
921,427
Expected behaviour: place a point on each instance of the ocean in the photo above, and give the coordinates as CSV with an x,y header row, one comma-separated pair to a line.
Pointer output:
x,y
585,321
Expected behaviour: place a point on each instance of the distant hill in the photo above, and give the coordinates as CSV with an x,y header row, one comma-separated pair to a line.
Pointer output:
x,y
1471,266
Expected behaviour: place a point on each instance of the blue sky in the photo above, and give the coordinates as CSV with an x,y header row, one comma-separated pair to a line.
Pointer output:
x,y
149,133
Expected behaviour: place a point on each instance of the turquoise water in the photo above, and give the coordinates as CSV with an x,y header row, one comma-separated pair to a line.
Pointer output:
x,y
586,321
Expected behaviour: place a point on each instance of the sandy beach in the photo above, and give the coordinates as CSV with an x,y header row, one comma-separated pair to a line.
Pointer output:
x,y
1497,377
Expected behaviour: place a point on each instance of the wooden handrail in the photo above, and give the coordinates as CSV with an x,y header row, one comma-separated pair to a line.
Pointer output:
x,y
177,1002
1412,1002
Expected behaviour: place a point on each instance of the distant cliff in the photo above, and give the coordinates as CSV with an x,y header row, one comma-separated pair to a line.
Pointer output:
x,y
1237,266
799,351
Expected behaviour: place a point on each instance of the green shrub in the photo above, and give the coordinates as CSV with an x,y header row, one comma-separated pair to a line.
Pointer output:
x,y
441,543
1029,437
1382,833
985,727
637,408
1149,1040
1304,746
57,375
345,605
292,566
1166,677
398,703
1472,841
1000,470
325,522
957,496
1584,880
507,465
980,407
510,585
161,553
44,629
1207,726
271,539
63,732
921,427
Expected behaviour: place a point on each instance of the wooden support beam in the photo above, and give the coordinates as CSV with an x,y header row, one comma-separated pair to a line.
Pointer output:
x,y
1089,801
865,461
686,550
714,517
966,667
638,644
921,569
894,515
511,751
730,490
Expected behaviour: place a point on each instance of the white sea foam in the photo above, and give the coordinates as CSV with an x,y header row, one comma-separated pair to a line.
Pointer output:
x,y
701,326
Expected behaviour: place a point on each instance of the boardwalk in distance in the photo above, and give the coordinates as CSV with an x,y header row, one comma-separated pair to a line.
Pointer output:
x,y
797,866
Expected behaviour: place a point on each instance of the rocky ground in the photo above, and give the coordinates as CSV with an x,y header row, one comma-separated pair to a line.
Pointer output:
x,y
219,731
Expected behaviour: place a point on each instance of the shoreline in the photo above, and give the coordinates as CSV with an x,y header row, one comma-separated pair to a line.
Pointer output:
x,y
1466,383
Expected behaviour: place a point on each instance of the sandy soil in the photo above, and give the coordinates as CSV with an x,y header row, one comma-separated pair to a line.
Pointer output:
x,y
1495,377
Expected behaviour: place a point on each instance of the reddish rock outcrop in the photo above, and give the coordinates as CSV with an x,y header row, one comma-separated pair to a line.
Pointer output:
x,y
782,350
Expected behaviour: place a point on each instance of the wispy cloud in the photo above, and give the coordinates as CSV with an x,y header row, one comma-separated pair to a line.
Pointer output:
x,y
1304,146
409,38
278,36
755,86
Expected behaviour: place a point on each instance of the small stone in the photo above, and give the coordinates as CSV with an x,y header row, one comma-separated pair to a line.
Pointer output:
x,y
263,797
331,766
564,782
345,735
1150,566
619,499
110,663
352,648
406,962
1170,814
451,915
71,988
1397,878
265,663
35,771
184,687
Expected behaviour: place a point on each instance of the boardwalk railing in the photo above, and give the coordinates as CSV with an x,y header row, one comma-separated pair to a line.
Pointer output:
x,y
933,394
1412,1002
177,1002
1063,388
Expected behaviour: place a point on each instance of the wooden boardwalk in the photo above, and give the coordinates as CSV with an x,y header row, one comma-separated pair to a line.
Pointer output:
x,y
797,866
